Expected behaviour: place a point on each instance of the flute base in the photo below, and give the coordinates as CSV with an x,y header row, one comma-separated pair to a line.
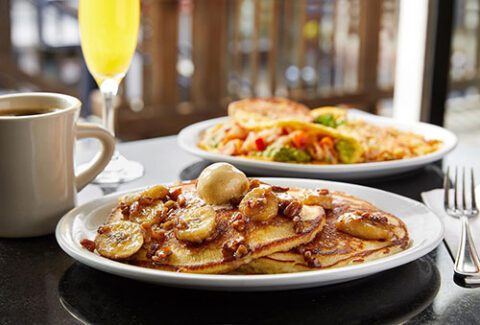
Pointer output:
x,y
119,170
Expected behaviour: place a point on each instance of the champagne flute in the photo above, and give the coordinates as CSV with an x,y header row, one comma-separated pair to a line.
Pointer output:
x,y
108,33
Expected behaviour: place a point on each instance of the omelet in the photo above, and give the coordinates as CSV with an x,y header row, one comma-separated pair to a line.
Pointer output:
x,y
379,143
344,148
281,130
329,116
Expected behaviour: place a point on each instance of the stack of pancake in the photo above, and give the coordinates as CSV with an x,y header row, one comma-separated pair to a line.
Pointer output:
x,y
224,222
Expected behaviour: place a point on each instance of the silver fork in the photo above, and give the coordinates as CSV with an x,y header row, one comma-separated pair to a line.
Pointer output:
x,y
467,262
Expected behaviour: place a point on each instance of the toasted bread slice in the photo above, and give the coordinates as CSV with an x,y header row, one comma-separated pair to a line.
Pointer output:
x,y
234,241
333,248
252,111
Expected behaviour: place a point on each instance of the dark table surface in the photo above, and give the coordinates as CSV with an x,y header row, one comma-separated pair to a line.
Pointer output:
x,y
40,284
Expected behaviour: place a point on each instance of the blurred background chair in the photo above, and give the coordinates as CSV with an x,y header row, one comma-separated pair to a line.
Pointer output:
x,y
194,57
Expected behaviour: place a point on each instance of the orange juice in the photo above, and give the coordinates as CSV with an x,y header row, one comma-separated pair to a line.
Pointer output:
x,y
108,31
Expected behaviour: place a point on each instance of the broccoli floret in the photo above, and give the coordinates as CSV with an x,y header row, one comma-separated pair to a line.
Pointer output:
x,y
286,154
328,120
345,150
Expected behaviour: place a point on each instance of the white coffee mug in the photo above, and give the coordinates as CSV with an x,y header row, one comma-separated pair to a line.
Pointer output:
x,y
37,178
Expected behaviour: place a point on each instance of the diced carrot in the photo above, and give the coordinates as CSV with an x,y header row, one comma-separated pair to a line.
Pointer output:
x,y
299,140
327,142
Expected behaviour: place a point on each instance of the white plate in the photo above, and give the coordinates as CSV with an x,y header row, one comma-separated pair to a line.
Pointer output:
x,y
426,232
189,138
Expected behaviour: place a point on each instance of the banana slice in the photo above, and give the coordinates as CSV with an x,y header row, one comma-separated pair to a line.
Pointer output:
x,y
198,224
260,204
315,198
158,192
119,240
362,227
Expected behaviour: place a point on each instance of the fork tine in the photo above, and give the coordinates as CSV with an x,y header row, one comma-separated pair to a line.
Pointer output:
x,y
464,201
455,190
446,189
472,183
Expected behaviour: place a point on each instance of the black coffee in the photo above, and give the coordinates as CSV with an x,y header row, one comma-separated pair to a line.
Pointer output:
x,y
26,111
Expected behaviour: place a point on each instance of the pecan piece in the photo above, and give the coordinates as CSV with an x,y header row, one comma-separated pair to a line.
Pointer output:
x,y
151,249
254,183
181,201
88,244
276,188
145,200
234,249
174,194
241,251
134,208
158,234
171,205
169,224
293,209
239,221
181,224
159,217
310,259
364,214
235,201
146,225
323,191
147,233
373,218
103,229
382,220
161,255
298,225
282,204
257,203
125,209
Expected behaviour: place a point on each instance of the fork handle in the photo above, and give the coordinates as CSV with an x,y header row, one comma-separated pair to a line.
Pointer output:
x,y
467,262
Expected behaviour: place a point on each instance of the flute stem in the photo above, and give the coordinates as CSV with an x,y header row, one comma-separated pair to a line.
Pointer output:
x,y
109,89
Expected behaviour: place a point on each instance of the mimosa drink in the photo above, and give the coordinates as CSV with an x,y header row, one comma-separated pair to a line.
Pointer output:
x,y
108,32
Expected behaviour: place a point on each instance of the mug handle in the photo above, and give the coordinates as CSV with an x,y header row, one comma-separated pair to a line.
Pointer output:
x,y
101,159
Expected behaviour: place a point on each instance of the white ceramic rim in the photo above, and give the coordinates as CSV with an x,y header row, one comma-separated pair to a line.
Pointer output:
x,y
248,282
74,104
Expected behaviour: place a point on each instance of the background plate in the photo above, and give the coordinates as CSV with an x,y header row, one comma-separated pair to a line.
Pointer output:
x,y
189,138
426,232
